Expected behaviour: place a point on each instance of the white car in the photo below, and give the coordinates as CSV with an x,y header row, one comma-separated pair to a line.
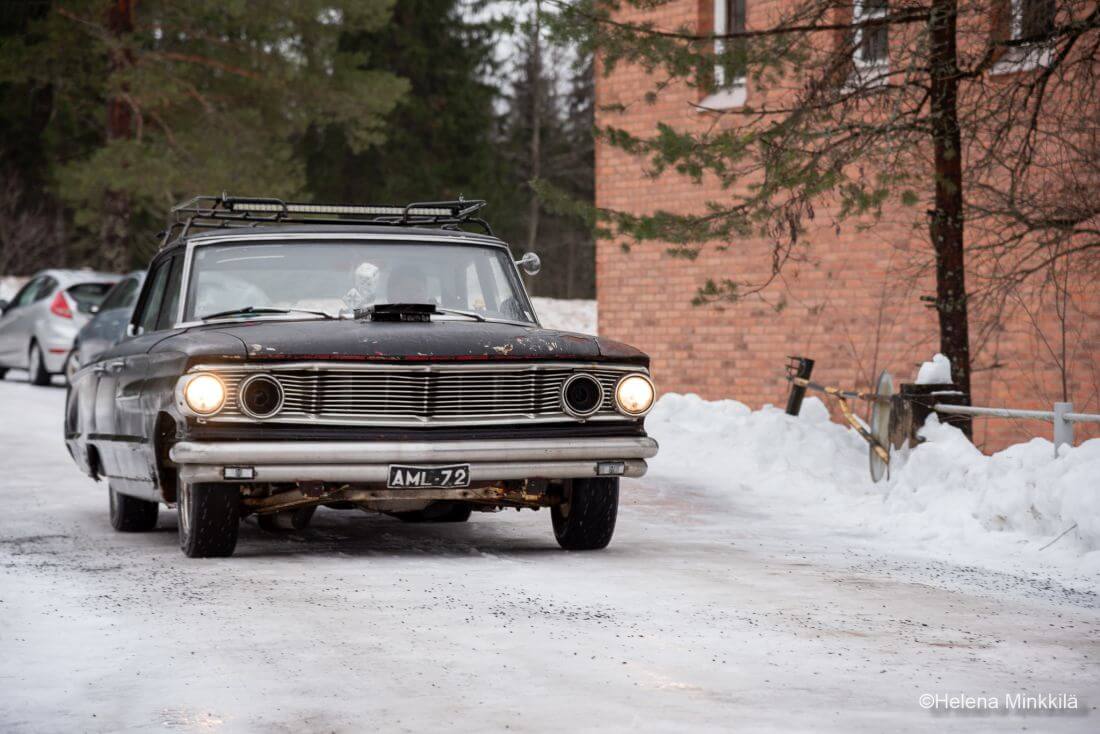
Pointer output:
x,y
38,326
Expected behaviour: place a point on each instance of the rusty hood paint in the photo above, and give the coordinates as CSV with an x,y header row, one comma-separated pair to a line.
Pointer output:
x,y
438,340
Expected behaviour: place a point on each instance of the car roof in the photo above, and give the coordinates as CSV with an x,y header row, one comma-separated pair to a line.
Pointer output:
x,y
79,276
459,236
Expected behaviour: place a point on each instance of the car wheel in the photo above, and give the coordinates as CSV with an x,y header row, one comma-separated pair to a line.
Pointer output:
x,y
438,512
36,366
585,518
132,515
287,520
209,518
72,366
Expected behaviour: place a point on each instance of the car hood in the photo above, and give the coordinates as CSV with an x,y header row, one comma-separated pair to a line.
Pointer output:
x,y
439,340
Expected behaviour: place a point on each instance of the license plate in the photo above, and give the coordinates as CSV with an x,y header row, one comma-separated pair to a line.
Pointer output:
x,y
414,477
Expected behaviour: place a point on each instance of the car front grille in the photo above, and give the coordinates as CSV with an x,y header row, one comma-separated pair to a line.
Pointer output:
x,y
429,394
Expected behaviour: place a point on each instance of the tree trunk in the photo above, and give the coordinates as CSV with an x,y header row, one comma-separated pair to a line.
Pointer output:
x,y
115,227
536,132
947,217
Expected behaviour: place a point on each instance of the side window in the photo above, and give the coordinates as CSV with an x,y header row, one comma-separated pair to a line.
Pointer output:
x,y
45,288
121,296
171,302
26,295
150,309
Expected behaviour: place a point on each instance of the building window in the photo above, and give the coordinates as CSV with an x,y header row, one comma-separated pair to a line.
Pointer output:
x,y
729,70
871,43
1032,18
1031,21
729,17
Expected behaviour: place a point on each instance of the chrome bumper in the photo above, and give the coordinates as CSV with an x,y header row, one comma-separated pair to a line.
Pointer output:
x,y
368,462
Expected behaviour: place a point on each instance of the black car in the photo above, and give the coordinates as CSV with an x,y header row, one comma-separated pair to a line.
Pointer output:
x,y
108,326
285,356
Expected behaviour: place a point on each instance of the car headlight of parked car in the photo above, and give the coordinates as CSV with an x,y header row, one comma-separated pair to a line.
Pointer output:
x,y
201,394
634,395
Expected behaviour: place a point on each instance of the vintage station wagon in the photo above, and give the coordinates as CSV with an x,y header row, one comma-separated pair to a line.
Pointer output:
x,y
287,356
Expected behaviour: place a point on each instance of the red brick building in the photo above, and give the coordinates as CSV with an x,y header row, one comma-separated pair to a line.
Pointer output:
x,y
852,303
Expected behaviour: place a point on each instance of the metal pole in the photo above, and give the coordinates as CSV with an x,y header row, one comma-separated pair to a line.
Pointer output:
x,y
804,368
1042,415
1063,429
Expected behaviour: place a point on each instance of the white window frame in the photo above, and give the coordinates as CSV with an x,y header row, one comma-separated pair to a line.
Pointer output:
x,y
729,93
868,71
1021,58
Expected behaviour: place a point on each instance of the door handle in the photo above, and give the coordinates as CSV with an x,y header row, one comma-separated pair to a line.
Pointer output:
x,y
113,368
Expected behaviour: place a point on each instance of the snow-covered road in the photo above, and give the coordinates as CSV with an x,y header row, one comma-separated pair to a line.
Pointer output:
x,y
704,614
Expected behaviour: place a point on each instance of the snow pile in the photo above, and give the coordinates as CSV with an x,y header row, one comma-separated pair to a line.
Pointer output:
x,y
936,372
943,497
566,314
10,285
958,492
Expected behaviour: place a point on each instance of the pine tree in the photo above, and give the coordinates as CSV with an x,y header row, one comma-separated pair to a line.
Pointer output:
x,y
989,123
153,101
553,85
439,137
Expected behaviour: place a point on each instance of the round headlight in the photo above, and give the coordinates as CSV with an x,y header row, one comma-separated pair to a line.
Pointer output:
x,y
261,396
634,395
581,395
205,394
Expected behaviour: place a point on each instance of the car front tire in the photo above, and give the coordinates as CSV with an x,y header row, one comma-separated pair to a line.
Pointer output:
x,y
585,518
36,366
72,366
209,518
132,515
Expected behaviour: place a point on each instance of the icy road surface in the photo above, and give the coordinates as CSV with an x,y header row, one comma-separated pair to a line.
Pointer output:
x,y
701,616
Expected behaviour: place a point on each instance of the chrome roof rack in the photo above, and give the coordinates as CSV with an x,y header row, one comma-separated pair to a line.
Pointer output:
x,y
225,211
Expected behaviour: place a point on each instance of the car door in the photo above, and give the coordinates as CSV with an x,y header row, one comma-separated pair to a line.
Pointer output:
x,y
131,423
113,374
15,325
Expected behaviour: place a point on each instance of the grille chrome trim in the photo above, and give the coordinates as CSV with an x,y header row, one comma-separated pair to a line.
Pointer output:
x,y
431,394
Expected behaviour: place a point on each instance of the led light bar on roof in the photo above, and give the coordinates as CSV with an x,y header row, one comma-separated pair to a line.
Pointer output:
x,y
276,208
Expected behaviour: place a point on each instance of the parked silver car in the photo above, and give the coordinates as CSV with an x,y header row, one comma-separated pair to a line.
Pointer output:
x,y
38,326
108,327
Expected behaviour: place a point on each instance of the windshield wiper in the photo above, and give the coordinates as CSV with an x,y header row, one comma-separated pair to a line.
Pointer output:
x,y
252,310
471,314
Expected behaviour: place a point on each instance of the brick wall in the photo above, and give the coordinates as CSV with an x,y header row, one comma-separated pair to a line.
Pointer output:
x,y
852,302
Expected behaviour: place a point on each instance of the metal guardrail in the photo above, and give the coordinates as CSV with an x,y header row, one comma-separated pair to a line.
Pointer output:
x,y
1062,417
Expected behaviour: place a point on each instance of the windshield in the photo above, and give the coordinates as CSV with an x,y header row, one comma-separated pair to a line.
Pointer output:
x,y
339,278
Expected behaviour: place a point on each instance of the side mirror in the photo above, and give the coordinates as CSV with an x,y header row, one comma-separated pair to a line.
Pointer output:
x,y
530,263
93,309
132,329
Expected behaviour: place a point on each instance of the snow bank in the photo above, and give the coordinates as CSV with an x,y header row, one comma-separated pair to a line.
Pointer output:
x,y
577,315
10,285
959,493
936,372
943,497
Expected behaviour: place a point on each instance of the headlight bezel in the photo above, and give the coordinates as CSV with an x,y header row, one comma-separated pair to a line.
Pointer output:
x,y
652,392
242,393
184,404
